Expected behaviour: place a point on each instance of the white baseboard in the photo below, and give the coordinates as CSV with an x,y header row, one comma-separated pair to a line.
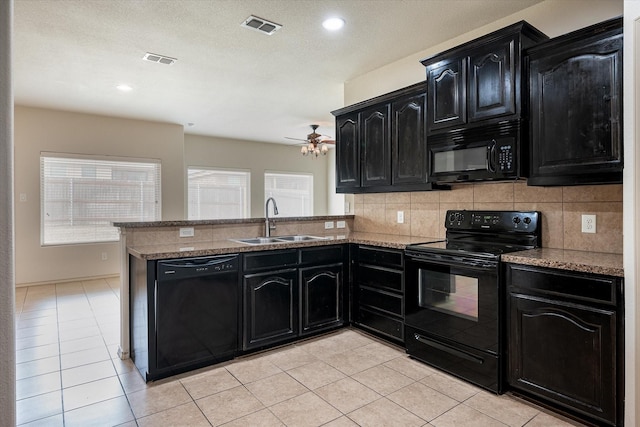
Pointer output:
x,y
78,279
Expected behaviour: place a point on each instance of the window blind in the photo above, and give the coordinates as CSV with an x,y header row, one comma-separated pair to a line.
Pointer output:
x,y
293,192
82,196
217,194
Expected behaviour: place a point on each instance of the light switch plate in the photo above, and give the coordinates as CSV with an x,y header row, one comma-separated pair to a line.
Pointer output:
x,y
400,217
186,231
588,223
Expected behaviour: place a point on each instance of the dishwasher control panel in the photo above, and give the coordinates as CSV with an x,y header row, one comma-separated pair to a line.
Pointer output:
x,y
189,267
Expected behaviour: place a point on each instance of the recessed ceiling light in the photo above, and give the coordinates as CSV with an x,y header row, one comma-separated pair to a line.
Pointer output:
x,y
124,88
333,24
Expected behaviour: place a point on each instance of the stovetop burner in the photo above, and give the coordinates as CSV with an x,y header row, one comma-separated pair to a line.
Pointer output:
x,y
486,234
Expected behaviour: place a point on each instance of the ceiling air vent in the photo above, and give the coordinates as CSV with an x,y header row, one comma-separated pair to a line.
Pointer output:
x,y
160,59
262,25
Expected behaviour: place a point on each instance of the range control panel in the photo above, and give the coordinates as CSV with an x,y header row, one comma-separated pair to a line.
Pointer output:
x,y
498,221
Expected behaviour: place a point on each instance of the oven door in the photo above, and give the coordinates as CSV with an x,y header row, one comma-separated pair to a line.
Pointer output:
x,y
456,301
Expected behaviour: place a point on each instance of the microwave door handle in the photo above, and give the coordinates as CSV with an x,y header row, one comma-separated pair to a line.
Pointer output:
x,y
491,155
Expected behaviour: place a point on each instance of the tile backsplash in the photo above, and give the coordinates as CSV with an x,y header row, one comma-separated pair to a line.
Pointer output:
x,y
561,208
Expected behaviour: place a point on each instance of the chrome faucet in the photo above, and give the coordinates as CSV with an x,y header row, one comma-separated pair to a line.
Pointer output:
x,y
267,226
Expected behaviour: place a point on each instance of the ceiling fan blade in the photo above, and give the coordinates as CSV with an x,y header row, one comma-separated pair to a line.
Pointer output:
x,y
296,139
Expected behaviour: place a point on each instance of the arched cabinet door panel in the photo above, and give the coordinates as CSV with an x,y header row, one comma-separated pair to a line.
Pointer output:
x,y
447,101
270,307
321,296
566,340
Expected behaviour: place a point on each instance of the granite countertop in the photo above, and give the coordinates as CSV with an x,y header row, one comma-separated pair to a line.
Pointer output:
x,y
570,260
586,262
227,246
191,223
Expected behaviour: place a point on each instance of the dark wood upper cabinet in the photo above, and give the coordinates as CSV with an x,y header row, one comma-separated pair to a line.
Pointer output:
x,y
447,94
576,107
408,140
478,81
348,152
381,143
376,146
492,80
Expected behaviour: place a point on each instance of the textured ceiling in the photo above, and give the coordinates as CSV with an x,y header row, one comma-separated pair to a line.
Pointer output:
x,y
229,81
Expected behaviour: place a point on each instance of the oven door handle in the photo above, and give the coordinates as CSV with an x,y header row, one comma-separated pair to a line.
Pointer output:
x,y
453,261
447,349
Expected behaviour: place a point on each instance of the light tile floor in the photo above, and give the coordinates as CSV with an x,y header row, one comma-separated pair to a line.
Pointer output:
x,y
68,375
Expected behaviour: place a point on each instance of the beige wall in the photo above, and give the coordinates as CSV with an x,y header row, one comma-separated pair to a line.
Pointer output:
x,y
632,209
38,130
258,157
561,209
552,17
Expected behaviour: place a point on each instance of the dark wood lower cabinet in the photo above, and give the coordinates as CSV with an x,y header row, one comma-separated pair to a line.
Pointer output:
x,y
565,341
378,292
270,308
321,299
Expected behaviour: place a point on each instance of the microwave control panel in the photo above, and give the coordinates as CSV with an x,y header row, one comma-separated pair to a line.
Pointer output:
x,y
505,153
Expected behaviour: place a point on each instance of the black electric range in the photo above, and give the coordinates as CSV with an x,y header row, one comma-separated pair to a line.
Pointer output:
x,y
454,298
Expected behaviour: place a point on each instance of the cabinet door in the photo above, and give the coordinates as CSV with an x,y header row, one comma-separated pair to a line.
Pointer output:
x,y
376,146
446,94
576,101
564,352
492,82
270,308
408,140
321,297
347,152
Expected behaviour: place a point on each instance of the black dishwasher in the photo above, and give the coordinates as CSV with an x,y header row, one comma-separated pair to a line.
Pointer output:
x,y
196,316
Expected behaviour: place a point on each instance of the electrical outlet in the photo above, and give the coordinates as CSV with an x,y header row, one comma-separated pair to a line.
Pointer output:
x,y
328,225
588,223
340,224
400,217
186,231
104,256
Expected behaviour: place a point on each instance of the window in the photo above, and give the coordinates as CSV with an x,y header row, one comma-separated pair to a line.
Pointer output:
x,y
82,196
218,194
293,192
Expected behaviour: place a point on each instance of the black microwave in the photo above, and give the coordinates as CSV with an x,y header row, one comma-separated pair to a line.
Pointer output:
x,y
481,158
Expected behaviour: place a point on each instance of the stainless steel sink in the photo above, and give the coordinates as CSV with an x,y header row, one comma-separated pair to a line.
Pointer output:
x,y
280,239
258,240
301,238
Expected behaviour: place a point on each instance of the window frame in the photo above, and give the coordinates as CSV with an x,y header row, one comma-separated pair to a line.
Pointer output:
x,y
95,161
247,208
311,196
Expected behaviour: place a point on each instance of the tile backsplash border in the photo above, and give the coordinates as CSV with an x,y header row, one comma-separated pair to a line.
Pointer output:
x,y
561,209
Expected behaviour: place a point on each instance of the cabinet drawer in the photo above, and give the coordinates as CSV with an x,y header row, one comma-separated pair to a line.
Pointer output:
x,y
379,277
380,323
270,259
382,300
581,287
384,257
321,255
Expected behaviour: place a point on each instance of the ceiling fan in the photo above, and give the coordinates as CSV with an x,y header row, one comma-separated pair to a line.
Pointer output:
x,y
316,143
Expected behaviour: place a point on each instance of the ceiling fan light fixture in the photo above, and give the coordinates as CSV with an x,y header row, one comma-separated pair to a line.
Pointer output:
x,y
333,24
